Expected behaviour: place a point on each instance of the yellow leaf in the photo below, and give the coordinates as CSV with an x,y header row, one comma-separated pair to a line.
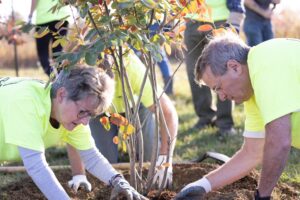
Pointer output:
x,y
41,32
59,24
105,122
168,49
166,164
128,130
56,43
124,147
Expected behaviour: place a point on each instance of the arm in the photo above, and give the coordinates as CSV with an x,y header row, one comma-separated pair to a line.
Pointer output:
x,y
32,8
41,174
77,166
171,119
276,150
237,167
276,1
251,4
248,157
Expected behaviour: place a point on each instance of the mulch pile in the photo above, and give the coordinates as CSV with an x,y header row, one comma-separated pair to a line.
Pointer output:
x,y
183,174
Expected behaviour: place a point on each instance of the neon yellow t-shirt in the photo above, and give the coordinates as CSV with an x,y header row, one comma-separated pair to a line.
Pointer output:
x,y
45,15
275,77
135,70
24,120
219,10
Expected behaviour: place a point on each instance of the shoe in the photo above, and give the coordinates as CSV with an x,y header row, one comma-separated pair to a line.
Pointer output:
x,y
227,132
201,124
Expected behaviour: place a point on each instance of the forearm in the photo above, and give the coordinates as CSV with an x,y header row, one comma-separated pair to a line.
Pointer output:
x,y
247,158
97,164
77,166
276,150
32,8
38,169
168,137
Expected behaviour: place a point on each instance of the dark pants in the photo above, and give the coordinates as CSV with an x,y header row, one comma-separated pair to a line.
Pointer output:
x,y
42,44
104,138
202,97
257,31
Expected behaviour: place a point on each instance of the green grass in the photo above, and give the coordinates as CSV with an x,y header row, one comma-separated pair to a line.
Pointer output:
x,y
190,144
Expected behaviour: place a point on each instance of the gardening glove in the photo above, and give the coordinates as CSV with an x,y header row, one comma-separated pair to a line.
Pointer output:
x,y
121,189
161,165
192,191
79,180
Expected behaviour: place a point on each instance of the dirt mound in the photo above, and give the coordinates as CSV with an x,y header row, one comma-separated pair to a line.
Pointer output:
x,y
183,174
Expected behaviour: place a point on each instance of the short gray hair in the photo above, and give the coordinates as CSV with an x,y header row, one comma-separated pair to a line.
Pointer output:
x,y
218,51
82,81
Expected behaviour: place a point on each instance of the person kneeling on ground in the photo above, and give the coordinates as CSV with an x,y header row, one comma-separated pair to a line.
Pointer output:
x,y
59,112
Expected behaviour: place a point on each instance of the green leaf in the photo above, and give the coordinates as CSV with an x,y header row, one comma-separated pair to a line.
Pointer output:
x,y
27,27
90,34
91,58
84,10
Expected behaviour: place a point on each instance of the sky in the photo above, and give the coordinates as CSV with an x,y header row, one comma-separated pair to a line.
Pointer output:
x,y
23,7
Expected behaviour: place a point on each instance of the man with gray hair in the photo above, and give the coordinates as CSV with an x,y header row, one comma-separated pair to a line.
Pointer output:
x,y
265,80
59,112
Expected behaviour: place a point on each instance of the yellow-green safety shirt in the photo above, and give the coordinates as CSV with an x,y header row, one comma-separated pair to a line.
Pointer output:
x,y
274,68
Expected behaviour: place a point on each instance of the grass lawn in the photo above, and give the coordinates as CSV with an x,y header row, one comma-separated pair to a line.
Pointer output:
x,y
190,143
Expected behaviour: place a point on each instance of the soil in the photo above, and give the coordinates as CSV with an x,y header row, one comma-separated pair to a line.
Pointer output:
x,y
183,174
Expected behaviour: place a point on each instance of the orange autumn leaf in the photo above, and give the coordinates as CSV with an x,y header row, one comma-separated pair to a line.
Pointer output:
x,y
181,28
105,122
118,119
219,31
116,140
205,28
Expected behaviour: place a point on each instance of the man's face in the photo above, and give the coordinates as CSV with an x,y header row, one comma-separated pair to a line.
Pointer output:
x,y
73,113
233,85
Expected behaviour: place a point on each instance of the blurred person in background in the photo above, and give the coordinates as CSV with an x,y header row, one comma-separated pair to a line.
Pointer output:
x,y
223,11
46,18
257,23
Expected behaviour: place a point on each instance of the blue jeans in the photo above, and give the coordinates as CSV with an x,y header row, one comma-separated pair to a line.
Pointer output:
x,y
257,31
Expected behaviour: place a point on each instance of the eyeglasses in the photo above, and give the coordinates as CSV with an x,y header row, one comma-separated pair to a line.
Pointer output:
x,y
84,113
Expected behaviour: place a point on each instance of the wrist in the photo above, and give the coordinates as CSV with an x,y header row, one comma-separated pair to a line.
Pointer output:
x,y
204,182
114,178
258,197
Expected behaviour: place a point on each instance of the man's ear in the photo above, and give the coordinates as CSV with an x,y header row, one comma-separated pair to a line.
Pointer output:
x,y
61,93
235,66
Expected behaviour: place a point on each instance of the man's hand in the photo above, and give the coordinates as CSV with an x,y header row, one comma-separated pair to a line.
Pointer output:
x,y
80,180
161,164
121,188
192,191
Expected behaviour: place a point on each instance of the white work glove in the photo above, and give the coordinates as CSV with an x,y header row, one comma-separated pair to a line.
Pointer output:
x,y
195,190
121,189
79,180
161,164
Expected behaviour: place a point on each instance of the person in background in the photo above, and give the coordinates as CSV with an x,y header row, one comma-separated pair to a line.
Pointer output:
x,y
223,11
104,138
46,18
266,79
60,112
257,23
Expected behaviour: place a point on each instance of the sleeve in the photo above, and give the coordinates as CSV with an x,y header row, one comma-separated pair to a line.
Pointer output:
x,y
41,174
80,138
97,165
23,125
254,126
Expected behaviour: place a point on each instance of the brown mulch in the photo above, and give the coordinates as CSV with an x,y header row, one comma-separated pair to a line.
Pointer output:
x,y
183,174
